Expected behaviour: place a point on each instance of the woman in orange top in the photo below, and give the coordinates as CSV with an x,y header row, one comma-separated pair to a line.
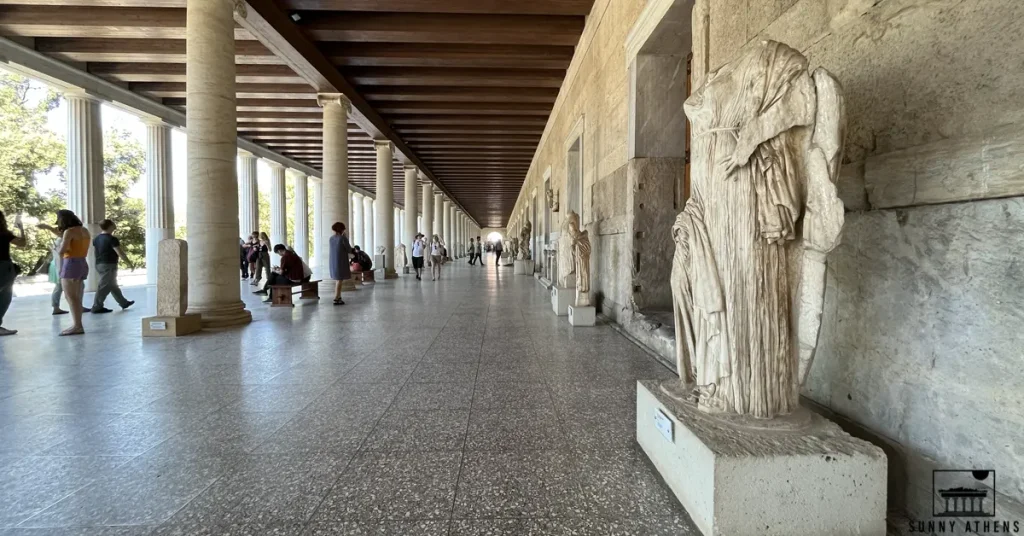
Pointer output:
x,y
74,268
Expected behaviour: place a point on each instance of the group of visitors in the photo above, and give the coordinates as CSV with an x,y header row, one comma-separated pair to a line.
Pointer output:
x,y
69,267
255,257
475,250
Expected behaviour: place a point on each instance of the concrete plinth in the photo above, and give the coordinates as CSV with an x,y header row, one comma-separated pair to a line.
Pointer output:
x,y
523,267
582,316
171,326
799,475
561,297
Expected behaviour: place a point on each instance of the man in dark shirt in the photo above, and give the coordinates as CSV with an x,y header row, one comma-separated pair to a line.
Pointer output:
x,y
108,252
362,259
291,272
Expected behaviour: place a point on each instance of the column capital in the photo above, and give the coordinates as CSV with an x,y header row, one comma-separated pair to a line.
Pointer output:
x,y
356,195
408,165
273,165
242,153
154,121
323,99
81,94
296,173
382,144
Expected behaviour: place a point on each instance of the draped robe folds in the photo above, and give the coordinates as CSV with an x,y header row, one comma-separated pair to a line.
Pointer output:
x,y
730,284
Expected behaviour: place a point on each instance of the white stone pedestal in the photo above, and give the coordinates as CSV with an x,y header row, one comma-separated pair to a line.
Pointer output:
x,y
796,476
523,267
582,316
561,297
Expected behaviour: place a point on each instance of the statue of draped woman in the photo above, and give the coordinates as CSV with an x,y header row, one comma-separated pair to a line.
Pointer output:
x,y
748,271
579,245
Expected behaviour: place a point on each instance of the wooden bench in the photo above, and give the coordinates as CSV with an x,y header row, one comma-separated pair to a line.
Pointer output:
x,y
365,277
281,295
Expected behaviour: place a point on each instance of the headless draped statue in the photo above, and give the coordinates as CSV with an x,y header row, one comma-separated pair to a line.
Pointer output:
x,y
579,245
524,242
748,273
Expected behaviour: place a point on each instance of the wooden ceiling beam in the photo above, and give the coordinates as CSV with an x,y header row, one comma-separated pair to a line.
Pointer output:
x,y
532,7
353,54
96,22
89,49
466,129
459,94
464,108
444,119
442,28
439,76
242,91
175,72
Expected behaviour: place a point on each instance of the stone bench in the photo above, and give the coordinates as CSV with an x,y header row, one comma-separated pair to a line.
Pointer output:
x,y
364,277
281,295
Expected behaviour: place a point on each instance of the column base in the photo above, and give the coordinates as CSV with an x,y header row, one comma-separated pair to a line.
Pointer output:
x,y
561,297
390,274
222,316
741,476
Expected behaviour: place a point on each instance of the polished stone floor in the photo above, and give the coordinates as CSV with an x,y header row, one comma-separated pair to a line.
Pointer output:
x,y
462,407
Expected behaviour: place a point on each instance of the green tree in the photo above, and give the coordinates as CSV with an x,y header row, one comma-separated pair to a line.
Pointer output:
x,y
28,149
123,163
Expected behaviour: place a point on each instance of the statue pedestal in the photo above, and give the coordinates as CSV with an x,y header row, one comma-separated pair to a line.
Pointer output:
x,y
582,316
405,270
523,267
171,326
561,297
800,475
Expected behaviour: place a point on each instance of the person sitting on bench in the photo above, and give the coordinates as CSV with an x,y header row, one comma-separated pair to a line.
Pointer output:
x,y
362,259
292,272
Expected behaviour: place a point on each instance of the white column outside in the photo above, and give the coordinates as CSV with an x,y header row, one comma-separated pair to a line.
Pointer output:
x,y
84,169
335,172
438,220
427,200
248,194
213,287
159,194
446,226
318,209
368,226
278,217
301,208
356,233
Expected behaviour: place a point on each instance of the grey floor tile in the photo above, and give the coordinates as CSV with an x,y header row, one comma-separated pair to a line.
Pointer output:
x,y
489,395
34,483
419,430
621,483
379,372
431,396
386,528
582,394
80,531
515,429
35,434
230,530
277,489
518,484
130,434
593,428
276,398
674,526
321,432
435,372
224,433
395,486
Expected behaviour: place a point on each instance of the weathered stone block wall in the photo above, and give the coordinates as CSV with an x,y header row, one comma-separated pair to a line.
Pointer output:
x,y
920,341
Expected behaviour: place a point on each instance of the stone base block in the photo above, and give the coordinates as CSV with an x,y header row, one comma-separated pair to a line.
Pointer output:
x,y
387,273
799,475
171,326
406,270
582,316
523,267
561,297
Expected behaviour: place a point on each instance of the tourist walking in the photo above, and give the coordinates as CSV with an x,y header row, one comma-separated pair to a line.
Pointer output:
x,y
471,250
418,247
252,253
341,250
53,273
497,252
108,253
243,254
8,270
263,258
478,251
436,257
74,268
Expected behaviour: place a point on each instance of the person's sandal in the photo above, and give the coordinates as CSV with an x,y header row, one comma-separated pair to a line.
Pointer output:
x,y
57,312
72,331
339,302
4,332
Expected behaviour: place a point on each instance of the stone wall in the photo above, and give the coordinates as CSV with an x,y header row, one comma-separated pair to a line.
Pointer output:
x,y
920,347
920,342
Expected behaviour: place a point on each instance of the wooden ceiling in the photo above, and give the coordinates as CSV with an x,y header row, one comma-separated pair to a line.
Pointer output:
x,y
466,85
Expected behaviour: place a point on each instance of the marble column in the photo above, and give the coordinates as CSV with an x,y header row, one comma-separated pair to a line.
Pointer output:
x,y
301,244
213,287
368,226
84,169
356,233
318,209
426,193
446,225
385,203
335,173
159,194
437,225
278,215
248,195
396,225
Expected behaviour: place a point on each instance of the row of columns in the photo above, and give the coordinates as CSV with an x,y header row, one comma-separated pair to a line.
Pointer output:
x,y
222,201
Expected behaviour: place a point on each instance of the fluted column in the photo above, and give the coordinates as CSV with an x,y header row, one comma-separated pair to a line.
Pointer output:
x,y
426,193
357,234
159,194
248,194
278,218
438,220
446,225
318,209
84,168
335,172
301,244
368,226
213,288
385,231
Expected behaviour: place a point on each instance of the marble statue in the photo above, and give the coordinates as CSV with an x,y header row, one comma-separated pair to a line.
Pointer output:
x,y
380,250
513,247
579,241
748,273
400,259
524,242
564,275
552,196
